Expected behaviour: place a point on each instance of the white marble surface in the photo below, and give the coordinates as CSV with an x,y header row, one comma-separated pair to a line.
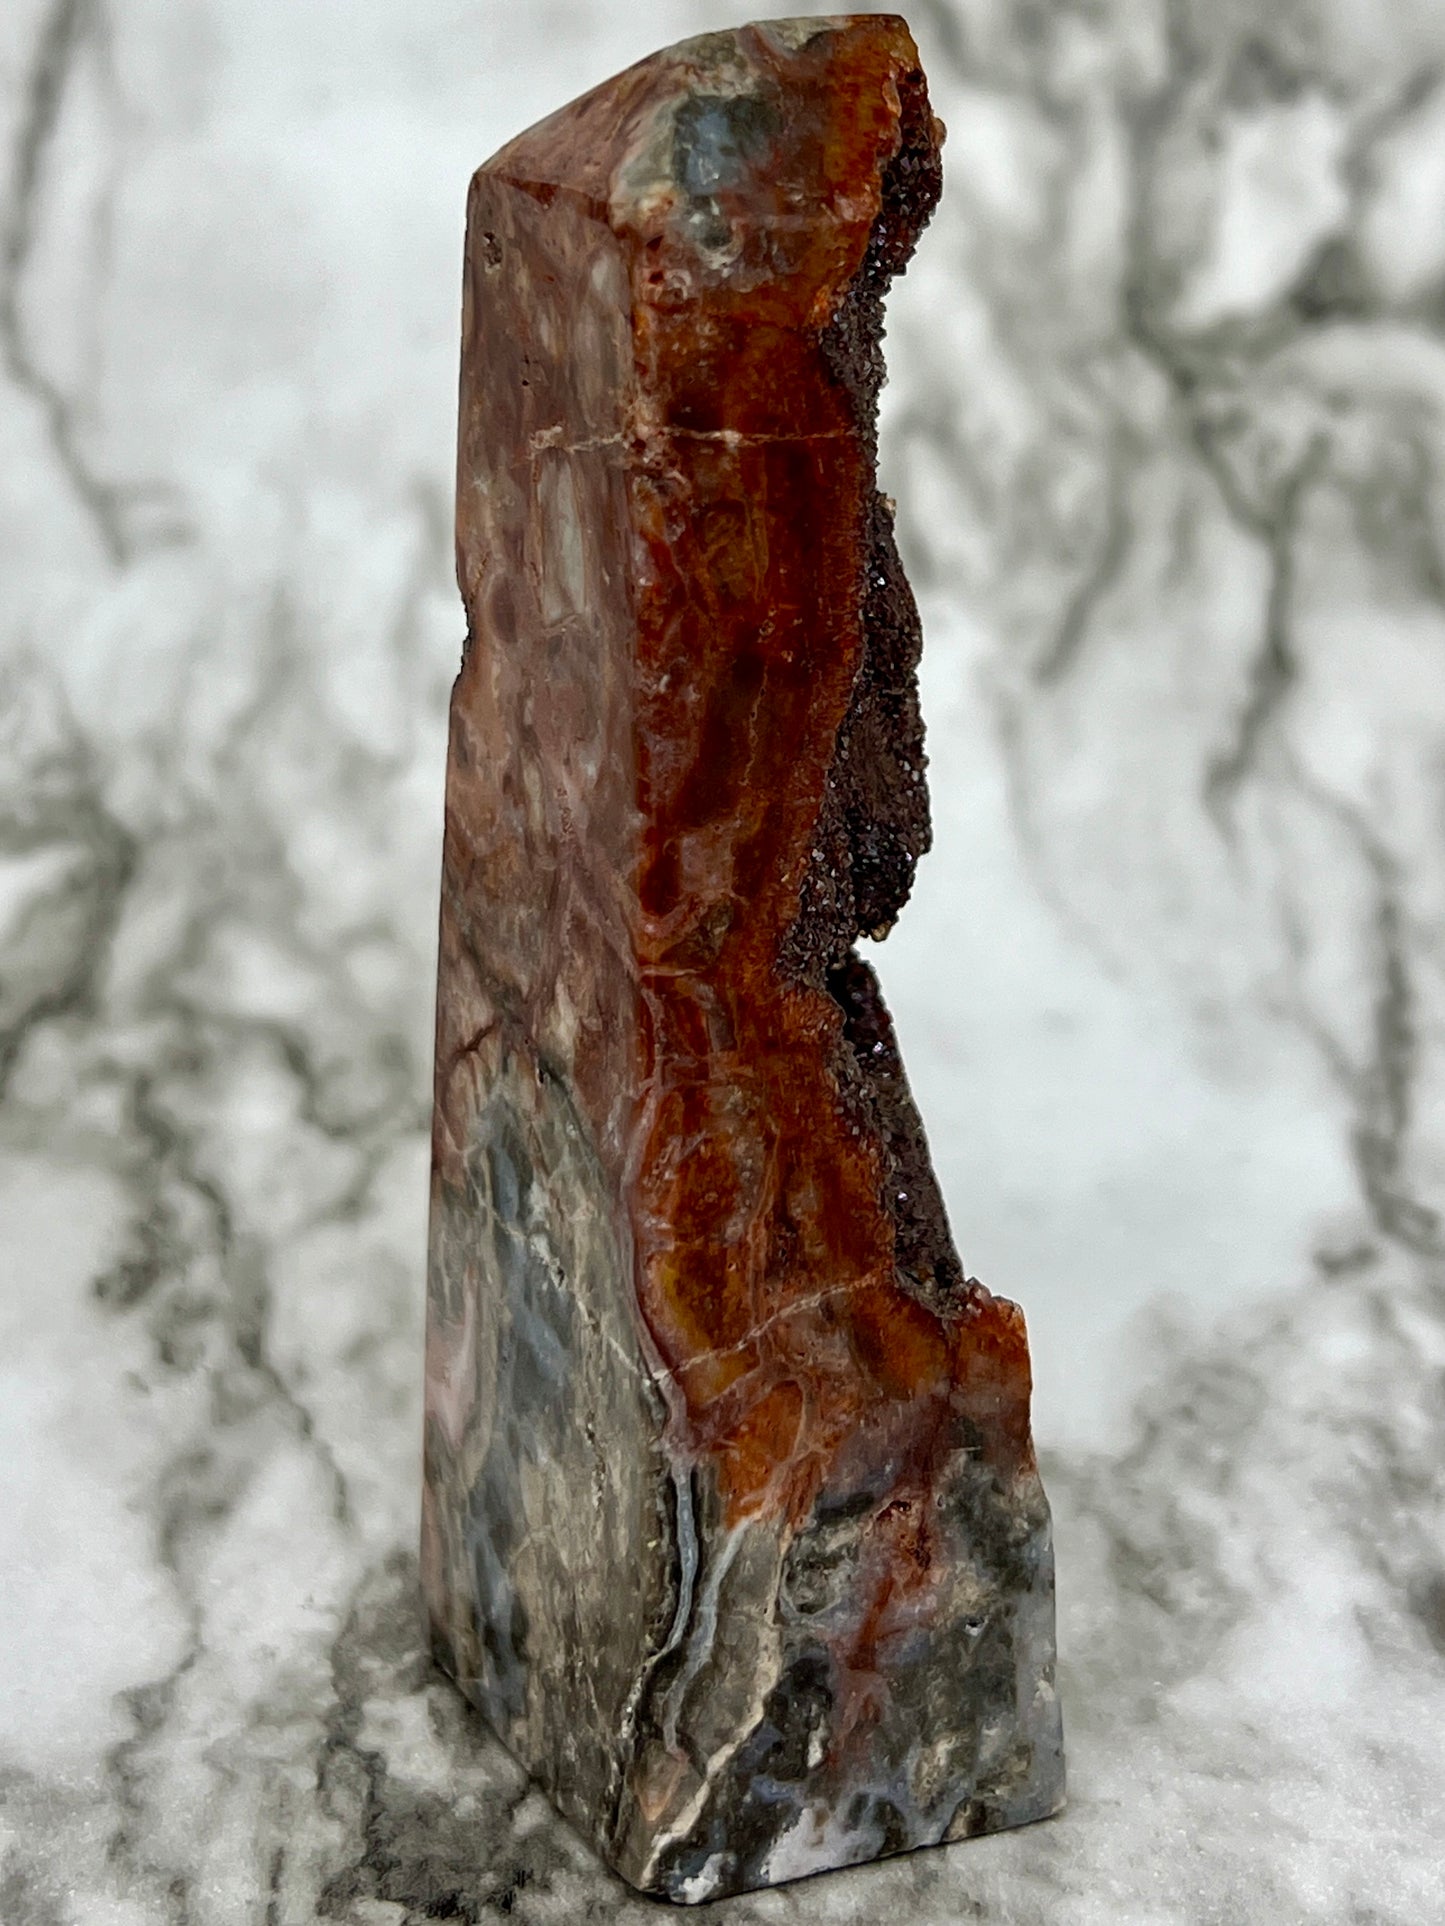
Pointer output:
x,y
1167,425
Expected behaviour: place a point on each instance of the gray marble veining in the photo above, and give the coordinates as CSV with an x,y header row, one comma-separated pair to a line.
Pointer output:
x,y
1165,421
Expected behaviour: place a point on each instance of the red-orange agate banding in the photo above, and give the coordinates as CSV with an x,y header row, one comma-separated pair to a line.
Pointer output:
x,y
732,1524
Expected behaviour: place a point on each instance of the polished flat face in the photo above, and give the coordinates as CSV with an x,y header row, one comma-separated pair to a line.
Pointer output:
x,y
732,1525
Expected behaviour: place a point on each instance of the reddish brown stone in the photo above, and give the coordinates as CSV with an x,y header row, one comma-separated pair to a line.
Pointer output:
x,y
732,1524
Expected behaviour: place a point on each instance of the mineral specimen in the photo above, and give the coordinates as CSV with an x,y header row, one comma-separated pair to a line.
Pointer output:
x,y
732,1526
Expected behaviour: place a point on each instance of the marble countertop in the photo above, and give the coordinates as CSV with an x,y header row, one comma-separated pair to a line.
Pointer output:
x,y
1167,429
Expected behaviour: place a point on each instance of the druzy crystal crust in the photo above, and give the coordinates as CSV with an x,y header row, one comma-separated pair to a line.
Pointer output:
x,y
731,1525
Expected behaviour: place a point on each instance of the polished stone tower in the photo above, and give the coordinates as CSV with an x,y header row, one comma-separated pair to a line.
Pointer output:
x,y
732,1525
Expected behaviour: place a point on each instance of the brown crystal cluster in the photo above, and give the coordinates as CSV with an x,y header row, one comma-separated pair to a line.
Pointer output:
x,y
732,1525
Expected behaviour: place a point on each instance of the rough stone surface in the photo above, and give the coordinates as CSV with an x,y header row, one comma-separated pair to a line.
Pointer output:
x,y
732,1527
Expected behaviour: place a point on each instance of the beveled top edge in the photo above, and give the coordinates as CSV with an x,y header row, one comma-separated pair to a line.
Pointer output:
x,y
584,147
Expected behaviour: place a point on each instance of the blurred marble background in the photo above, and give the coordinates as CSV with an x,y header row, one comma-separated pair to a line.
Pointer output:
x,y
1167,428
